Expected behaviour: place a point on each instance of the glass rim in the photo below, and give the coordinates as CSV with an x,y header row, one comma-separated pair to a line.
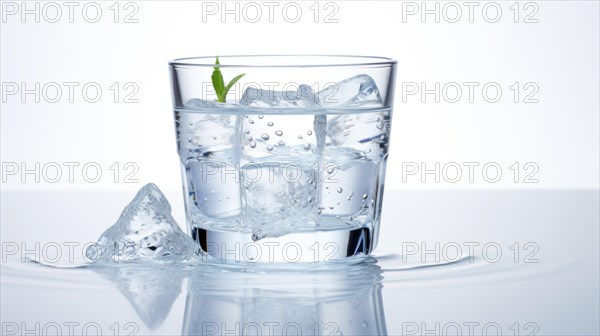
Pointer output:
x,y
208,61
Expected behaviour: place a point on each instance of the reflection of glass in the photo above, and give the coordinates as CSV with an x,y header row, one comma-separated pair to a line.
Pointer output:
x,y
344,301
151,291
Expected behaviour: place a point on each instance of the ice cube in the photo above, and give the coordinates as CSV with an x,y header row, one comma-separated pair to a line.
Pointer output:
x,y
215,187
200,132
145,232
279,197
366,134
196,103
359,90
281,135
304,97
347,187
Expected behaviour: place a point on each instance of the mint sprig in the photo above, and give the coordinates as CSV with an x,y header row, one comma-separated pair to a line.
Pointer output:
x,y
219,83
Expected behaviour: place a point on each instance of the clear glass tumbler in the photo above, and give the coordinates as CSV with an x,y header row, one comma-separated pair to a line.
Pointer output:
x,y
283,156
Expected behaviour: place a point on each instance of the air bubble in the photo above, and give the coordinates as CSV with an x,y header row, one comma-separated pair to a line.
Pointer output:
x,y
365,196
269,148
339,190
309,132
270,124
247,131
252,144
261,116
251,121
300,137
278,133
249,137
265,136
306,146
281,143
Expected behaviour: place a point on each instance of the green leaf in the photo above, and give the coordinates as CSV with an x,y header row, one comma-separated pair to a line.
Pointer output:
x,y
232,82
219,83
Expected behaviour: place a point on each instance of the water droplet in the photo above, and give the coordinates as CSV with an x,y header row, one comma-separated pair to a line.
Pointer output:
x,y
252,144
310,199
212,192
338,203
339,190
247,131
331,208
309,132
306,146
365,196
310,181
365,324
220,199
300,137
269,148
249,137
251,121
278,133
383,137
281,143
206,199
265,136
270,124
261,116
191,123
214,137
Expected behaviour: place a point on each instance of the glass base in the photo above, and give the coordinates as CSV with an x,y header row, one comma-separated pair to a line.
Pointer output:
x,y
330,247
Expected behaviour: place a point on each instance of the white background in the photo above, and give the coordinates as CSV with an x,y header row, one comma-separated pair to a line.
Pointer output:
x,y
554,45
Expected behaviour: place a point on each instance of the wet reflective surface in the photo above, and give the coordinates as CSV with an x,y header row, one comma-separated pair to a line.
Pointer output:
x,y
448,262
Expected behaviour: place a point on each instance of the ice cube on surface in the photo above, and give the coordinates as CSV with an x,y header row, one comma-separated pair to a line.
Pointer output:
x,y
145,232
279,197
303,97
358,90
